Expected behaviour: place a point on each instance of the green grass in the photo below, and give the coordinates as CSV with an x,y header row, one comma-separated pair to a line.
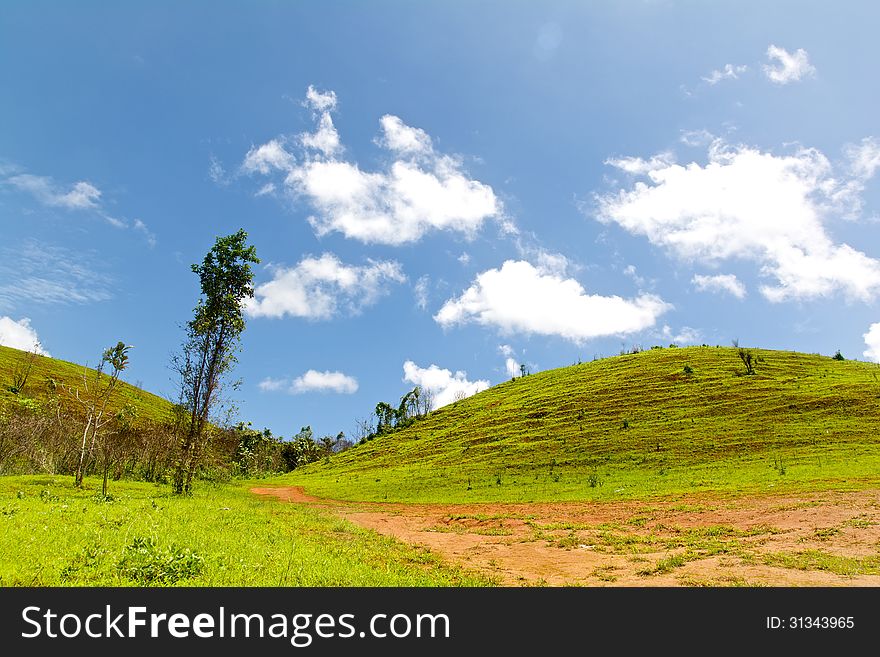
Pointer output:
x,y
52,534
48,377
819,560
633,426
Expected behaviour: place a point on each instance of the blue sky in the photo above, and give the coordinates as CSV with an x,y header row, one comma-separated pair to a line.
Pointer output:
x,y
438,191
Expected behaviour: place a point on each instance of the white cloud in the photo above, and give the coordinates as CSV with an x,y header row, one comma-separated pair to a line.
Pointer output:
x,y
720,283
216,172
464,258
506,350
520,297
420,190
751,205
639,166
729,72
313,381
80,196
864,158
319,288
268,157
325,139
273,385
421,292
20,335
445,386
401,138
872,339
785,67
686,335
512,367
141,227
320,101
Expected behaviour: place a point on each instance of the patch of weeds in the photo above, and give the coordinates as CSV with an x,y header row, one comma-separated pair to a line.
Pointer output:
x,y
860,522
593,480
825,561
824,533
605,573
88,559
570,541
664,565
639,521
148,564
47,496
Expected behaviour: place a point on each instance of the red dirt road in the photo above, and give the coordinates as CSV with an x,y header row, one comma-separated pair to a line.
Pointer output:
x,y
824,539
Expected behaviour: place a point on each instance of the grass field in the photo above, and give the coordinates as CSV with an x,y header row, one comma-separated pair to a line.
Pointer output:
x,y
52,534
627,427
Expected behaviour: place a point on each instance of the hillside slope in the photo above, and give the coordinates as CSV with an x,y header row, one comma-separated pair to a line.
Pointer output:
x,y
49,376
630,426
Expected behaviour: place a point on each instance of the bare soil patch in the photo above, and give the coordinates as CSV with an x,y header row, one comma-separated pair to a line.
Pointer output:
x,y
821,539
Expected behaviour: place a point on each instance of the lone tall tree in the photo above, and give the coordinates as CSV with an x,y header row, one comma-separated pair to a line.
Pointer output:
x,y
208,352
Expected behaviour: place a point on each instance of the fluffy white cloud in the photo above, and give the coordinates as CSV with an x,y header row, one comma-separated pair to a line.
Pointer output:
x,y
872,339
512,367
20,335
520,297
267,158
312,381
421,190
720,283
317,288
445,386
752,205
729,72
785,67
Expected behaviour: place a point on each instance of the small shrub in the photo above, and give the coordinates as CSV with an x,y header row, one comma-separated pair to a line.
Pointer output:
x,y
593,480
147,564
838,356
688,369
625,424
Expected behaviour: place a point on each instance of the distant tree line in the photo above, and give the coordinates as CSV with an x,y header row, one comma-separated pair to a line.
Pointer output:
x,y
386,419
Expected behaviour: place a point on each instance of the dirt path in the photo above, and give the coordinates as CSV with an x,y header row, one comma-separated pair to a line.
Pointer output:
x,y
825,539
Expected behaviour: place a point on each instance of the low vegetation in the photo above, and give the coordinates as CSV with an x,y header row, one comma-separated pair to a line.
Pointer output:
x,y
658,422
55,534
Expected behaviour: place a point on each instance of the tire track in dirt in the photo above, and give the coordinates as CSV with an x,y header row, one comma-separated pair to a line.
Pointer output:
x,y
824,539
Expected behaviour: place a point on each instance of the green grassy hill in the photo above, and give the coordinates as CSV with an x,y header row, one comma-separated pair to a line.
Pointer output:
x,y
48,377
630,426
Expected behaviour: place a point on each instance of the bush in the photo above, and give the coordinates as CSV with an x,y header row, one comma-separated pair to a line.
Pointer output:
x,y
688,369
147,564
838,356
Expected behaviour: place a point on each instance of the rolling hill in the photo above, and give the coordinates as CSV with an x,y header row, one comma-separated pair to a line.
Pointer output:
x,y
660,422
48,376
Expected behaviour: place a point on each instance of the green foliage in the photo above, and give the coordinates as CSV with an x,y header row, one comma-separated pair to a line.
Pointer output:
x,y
838,356
148,564
688,370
